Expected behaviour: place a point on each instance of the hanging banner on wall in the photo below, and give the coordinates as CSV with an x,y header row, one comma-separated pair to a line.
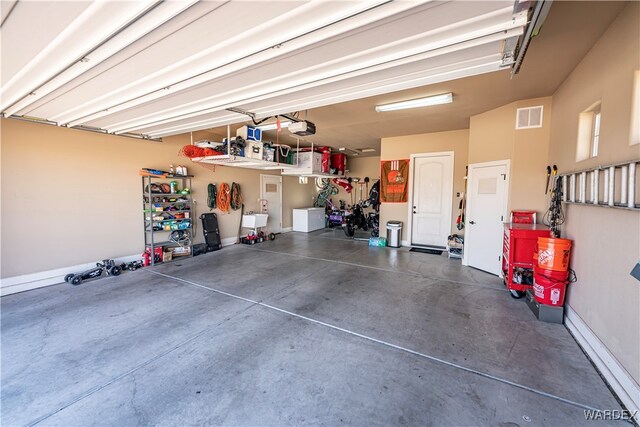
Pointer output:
x,y
394,180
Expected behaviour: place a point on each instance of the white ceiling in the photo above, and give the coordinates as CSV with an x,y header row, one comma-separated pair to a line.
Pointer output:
x,y
164,68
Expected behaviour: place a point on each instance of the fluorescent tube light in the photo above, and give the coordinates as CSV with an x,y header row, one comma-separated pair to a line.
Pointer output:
x,y
350,150
445,98
272,126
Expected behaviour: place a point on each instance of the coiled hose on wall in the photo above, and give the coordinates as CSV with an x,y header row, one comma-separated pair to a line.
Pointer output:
x,y
212,196
224,197
236,196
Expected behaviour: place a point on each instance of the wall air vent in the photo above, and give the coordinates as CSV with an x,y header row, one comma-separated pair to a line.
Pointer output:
x,y
530,117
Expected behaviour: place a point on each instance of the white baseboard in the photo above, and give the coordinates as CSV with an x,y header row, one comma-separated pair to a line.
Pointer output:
x,y
621,382
228,241
26,282
405,243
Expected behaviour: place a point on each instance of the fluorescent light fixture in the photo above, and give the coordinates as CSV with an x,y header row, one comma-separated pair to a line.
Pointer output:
x,y
445,98
350,150
368,150
272,126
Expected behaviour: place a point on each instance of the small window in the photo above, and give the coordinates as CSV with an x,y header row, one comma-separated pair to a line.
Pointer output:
x,y
596,134
589,125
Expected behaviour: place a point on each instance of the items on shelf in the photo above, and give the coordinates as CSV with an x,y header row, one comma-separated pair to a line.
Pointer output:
x,y
249,133
283,154
167,208
193,151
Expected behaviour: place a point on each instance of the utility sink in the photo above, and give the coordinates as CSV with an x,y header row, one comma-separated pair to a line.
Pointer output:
x,y
254,220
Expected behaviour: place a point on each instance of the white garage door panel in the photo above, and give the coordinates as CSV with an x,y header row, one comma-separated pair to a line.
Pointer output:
x,y
205,45
183,19
395,78
149,65
391,79
416,33
40,22
178,71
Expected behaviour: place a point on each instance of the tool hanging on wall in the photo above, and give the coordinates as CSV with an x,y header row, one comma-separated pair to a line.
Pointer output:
x,y
366,181
459,220
546,186
354,198
554,217
463,203
240,224
361,187
212,196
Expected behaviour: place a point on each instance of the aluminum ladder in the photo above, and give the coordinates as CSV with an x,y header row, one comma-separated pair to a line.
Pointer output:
x,y
618,188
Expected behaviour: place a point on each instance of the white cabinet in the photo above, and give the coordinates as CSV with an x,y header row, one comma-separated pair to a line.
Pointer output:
x,y
308,219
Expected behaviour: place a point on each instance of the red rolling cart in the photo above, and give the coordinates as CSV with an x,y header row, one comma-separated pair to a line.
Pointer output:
x,y
519,246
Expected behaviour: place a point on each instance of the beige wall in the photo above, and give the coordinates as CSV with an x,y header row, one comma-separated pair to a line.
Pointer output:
x,y
402,147
71,197
493,137
606,241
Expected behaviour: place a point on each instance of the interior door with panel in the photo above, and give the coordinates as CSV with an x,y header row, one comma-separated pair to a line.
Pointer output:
x,y
486,210
432,199
271,192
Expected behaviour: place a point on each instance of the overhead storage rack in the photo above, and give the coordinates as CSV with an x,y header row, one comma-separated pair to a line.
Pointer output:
x,y
242,162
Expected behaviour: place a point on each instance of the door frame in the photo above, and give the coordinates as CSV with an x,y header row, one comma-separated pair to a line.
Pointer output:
x,y
262,195
412,158
468,204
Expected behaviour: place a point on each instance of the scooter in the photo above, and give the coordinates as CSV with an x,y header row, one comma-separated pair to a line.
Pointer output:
x,y
107,265
353,220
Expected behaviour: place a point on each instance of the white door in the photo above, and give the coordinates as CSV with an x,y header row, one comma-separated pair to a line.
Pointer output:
x,y
271,193
486,212
432,197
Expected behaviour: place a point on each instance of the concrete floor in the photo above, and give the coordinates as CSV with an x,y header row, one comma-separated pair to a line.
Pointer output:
x,y
308,329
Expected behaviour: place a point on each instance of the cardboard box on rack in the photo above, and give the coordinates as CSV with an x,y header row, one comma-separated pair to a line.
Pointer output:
x,y
167,255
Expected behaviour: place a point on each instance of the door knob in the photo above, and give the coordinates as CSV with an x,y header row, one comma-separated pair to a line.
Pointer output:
x,y
472,222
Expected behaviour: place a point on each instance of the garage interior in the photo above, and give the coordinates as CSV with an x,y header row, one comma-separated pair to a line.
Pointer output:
x,y
226,213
